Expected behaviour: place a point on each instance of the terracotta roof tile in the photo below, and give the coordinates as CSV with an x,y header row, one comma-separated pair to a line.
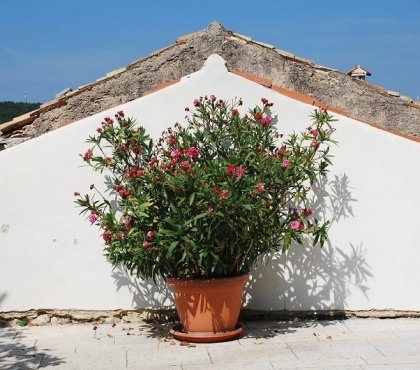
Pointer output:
x,y
160,86
259,80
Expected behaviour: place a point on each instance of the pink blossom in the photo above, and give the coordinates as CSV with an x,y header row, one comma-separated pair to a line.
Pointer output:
x,y
234,112
265,121
295,225
99,130
175,153
150,234
212,98
146,244
285,164
264,101
192,152
314,132
196,103
92,218
280,151
239,171
128,222
120,113
120,235
88,155
76,194
260,187
185,165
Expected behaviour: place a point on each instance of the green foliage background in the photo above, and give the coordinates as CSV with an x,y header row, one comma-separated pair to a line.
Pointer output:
x,y
9,109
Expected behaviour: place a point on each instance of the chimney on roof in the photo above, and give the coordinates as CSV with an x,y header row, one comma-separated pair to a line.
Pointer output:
x,y
359,72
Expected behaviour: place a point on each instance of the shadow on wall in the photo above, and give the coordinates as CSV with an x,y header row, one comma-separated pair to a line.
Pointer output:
x,y
310,278
3,297
145,294
303,278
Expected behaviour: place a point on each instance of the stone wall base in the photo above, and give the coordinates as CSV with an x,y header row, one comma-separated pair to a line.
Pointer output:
x,y
39,317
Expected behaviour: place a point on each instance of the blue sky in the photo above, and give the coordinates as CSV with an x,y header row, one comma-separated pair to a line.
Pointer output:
x,y
49,45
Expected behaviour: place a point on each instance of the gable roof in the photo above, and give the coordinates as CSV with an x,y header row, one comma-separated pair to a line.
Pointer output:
x,y
272,66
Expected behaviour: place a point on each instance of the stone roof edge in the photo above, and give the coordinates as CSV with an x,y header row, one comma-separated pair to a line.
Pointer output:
x,y
311,101
23,120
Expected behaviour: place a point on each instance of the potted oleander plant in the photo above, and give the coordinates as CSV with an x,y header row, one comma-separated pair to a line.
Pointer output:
x,y
204,203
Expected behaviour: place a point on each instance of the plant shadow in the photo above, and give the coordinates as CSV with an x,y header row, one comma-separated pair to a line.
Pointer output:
x,y
308,278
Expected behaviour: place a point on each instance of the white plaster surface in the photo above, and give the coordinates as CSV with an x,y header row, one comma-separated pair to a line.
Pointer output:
x,y
51,258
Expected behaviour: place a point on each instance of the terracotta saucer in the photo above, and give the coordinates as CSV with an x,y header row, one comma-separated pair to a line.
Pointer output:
x,y
204,337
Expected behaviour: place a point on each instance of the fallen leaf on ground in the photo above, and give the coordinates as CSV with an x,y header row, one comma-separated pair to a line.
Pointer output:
x,y
329,337
109,336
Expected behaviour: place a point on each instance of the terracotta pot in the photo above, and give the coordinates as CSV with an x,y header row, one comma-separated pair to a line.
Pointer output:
x,y
210,306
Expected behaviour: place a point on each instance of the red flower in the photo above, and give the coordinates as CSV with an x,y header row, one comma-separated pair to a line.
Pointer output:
x,y
234,112
258,116
192,152
171,141
196,103
230,169
136,150
307,212
146,244
120,113
264,101
107,237
76,194
224,194
150,234
285,164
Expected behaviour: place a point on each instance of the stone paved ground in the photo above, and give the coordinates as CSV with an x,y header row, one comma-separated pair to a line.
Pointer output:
x,y
345,344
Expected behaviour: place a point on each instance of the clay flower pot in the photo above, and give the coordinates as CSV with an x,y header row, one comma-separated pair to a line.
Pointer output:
x,y
208,309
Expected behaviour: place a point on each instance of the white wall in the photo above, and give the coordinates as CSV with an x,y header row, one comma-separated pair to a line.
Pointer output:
x,y
51,258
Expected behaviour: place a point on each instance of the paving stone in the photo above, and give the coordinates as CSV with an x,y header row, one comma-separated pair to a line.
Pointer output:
x,y
250,351
350,344
398,347
342,350
255,364
392,360
392,367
